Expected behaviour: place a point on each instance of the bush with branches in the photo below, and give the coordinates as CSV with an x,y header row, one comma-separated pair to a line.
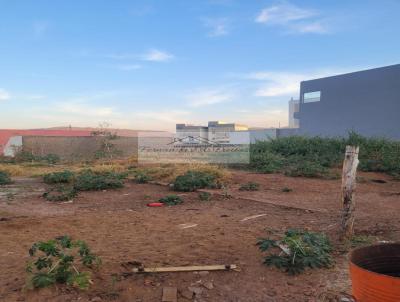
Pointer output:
x,y
193,180
90,181
60,192
65,176
171,200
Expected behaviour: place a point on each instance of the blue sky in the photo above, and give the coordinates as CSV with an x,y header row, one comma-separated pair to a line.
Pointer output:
x,y
151,64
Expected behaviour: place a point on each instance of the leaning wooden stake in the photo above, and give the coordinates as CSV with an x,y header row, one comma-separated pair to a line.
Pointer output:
x,y
348,185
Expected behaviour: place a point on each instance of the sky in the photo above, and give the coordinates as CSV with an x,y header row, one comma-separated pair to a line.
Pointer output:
x,y
152,64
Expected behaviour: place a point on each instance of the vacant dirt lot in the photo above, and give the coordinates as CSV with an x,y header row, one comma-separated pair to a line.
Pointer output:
x,y
121,228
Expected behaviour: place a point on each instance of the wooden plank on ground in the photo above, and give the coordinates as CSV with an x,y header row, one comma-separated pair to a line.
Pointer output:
x,y
185,268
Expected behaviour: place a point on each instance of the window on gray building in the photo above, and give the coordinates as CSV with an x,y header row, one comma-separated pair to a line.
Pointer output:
x,y
314,96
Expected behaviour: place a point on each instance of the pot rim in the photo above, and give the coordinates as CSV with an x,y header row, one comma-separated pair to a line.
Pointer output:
x,y
367,270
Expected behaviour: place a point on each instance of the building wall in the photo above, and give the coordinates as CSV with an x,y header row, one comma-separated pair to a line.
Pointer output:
x,y
293,108
77,148
367,102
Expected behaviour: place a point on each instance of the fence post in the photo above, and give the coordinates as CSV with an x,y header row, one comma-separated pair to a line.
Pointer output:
x,y
348,185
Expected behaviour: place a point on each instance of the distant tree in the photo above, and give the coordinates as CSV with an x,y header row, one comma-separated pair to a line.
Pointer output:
x,y
107,148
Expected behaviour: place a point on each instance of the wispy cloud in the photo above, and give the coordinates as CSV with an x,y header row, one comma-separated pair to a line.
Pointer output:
x,y
205,97
127,67
4,95
152,55
217,26
156,55
293,19
286,84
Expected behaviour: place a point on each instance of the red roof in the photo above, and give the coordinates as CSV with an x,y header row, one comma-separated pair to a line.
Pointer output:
x,y
6,134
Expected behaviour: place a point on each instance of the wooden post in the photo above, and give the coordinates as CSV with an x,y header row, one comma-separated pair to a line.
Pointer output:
x,y
348,185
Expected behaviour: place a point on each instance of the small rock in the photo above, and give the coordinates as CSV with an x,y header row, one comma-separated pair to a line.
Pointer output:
x,y
272,293
208,285
186,294
203,273
96,299
196,290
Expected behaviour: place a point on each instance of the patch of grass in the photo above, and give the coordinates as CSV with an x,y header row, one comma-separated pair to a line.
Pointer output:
x,y
5,178
142,177
361,240
60,193
193,180
250,186
205,196
90,181
54,261
297,250
171,200
65,176
286,189
304,168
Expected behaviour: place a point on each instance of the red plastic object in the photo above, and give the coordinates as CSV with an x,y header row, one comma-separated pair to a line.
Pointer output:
x,y
155,204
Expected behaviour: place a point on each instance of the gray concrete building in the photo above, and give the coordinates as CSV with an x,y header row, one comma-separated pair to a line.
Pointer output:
x,y
367,102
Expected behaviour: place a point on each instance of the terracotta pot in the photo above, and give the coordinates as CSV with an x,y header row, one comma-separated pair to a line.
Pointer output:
x,y
375,273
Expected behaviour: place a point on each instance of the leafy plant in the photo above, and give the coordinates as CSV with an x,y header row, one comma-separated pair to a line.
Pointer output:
x,y
250,186
5,178
205,196
90,181
58,177
54,261
171,200
60,193
297,250
193,180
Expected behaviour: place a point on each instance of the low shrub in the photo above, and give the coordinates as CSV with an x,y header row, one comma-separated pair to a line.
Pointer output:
x,y
205,196
25,156
286,154
65,176
171,200
142,177
60,193
250,186
54,261
90,181
305,168
5,178
297,250
193,180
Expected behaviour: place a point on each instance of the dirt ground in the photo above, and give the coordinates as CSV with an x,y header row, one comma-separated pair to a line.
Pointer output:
x,y
119,227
